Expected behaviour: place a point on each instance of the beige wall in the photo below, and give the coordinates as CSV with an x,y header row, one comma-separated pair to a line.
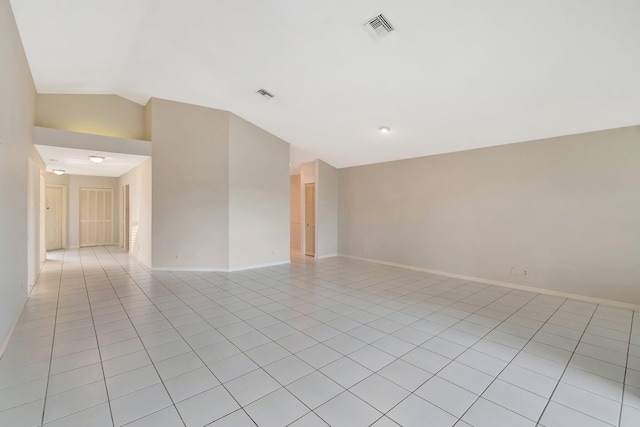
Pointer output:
x,y
307,174
36,245
258,196
91,142
109,115
17,112
190,186
564,209
295,214
148,115
326,210
73,203
140,219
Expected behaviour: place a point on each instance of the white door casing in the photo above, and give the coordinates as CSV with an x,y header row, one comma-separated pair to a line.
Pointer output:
x,y
310,219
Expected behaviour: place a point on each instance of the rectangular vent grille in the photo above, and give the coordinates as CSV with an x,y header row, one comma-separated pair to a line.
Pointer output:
x,y
379,25
264,93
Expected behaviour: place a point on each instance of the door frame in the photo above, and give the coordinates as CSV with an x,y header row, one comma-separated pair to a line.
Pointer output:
x,y
43,218
64,212
126,212
304,218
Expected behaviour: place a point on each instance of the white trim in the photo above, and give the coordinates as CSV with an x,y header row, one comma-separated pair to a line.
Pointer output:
x,y
327,256
136,259
195,269
250,267
544,291
5,343
220,270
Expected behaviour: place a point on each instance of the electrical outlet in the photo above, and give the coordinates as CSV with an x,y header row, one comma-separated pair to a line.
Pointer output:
x,y
525,273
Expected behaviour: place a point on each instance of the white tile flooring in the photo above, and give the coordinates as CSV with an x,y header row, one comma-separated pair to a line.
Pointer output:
x,y
102,341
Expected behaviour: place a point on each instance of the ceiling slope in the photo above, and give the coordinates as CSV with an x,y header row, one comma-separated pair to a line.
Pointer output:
x,y
454,75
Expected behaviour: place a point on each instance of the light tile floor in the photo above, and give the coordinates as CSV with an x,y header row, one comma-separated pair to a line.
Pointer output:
x,y
103,341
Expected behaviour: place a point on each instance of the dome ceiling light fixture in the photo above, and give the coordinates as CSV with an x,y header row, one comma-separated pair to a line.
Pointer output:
x,y
384,129
58,171
96,159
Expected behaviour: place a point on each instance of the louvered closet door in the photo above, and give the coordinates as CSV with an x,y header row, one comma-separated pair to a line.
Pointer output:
x,y
96,216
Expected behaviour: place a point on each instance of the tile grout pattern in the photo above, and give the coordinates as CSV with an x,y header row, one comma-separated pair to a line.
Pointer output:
x,y
104,341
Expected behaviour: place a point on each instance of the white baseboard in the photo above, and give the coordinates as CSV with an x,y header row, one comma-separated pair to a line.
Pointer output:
x,y
79,247
326,256
249,267
543,291
6,340
193,269
138,260
220,270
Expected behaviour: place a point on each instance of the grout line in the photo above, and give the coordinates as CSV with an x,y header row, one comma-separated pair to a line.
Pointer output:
x,y
95,331
185,341
384,414
141,342
523,351
626,369
469,347
442,308
53,338
327,283
565,370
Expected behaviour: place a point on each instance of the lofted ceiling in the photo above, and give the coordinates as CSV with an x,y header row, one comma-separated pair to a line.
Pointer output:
x,y
454,75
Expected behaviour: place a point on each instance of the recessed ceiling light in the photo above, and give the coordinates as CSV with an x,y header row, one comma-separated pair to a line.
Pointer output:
x,y
96,159
384,129
58,171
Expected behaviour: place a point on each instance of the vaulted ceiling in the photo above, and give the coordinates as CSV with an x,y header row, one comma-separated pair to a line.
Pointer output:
x,y
453,75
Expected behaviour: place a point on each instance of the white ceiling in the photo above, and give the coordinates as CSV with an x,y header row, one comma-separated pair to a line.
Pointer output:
x,y
76,162
455,75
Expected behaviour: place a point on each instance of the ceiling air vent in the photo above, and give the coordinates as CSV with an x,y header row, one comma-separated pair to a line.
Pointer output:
x,y
378,26
264,93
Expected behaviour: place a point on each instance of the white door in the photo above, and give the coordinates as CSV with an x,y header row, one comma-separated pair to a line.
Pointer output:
x,y
54,218
96,216
310,219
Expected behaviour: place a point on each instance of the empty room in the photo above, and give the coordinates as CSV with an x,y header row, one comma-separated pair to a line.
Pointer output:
x,y
319,213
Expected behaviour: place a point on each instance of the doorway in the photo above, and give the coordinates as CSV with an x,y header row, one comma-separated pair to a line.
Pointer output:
x,y
42,226
310,219
55,217
96,216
